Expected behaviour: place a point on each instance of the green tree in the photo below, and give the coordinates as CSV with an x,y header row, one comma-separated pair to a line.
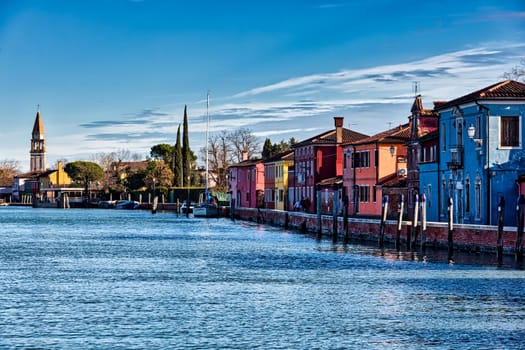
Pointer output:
x,y
185,150
136,181
178,161
84,173
163,151
267,151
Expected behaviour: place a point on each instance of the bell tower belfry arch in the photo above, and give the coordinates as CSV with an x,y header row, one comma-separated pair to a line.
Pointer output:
x,y
38,145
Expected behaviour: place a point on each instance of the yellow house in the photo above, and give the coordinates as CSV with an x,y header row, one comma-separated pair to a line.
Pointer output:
x,y
55,178
282,199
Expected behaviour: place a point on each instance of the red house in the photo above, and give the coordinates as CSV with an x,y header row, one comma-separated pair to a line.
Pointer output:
x,y
317,159
421,148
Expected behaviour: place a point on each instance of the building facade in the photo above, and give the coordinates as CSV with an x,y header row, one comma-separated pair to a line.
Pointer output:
x,y
319,158
370,163
481,153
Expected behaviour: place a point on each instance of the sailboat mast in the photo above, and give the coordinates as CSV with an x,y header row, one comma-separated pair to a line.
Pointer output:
x,y
207,124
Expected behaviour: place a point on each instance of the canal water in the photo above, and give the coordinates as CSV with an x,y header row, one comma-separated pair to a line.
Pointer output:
x,y
109,279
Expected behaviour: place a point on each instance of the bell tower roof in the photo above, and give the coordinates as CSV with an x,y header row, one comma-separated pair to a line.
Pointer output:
x,y
38,128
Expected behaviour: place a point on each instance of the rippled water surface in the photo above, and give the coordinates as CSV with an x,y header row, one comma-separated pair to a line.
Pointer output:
x,y
91,279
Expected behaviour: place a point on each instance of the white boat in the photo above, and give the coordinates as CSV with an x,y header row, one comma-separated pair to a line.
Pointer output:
x,y
208,207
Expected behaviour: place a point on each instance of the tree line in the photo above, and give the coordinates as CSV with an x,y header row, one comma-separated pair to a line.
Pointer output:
x,y
167,166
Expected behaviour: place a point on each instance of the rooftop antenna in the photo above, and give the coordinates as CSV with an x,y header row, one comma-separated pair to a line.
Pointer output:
x,y
390,125
415,87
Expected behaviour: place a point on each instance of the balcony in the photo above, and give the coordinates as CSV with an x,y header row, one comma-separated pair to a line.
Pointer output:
x,y
456,157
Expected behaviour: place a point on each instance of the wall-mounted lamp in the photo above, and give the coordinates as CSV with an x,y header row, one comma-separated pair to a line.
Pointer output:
x,y
392,150
471,132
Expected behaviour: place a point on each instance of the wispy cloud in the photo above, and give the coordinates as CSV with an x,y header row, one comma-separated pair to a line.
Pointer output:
x,y
301,106
331,5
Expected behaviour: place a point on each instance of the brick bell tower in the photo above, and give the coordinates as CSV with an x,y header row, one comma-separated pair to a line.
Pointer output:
x,y
38,145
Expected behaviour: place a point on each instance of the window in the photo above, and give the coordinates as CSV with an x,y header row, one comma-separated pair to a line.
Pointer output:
x,y
509,132
444,196
376,161
478,198
364,193
362,159
374,194
467,195
248,197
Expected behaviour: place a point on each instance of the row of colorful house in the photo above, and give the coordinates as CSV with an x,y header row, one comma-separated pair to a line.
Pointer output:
x,y
469,149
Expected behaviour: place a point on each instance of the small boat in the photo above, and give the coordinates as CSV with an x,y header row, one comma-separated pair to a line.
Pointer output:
x,y
183,208
126,204
206,210
107,204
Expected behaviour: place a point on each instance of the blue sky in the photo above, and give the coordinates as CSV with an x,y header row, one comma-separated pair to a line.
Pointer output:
x,y
116,74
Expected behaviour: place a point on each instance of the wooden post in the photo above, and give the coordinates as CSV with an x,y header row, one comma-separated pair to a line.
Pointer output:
x,y
501,214
413,235
345,218
319,217
384,211
423,223
450,230
400,221
335,210
519,234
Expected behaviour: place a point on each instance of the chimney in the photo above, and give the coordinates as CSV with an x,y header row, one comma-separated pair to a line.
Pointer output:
x,y
244,155
338,121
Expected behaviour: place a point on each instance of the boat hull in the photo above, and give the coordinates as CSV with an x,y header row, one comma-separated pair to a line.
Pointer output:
x,y
205,212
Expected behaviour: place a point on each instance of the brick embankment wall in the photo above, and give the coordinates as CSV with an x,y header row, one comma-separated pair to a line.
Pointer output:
x,y
466,237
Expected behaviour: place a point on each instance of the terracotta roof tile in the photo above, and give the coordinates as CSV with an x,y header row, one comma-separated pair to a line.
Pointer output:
x,y
329,137
505,90
400,133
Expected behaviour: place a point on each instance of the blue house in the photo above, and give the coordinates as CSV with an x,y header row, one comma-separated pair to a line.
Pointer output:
x,y
481,154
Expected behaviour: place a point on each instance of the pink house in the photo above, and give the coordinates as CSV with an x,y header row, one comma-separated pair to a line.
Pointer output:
x,y
247,184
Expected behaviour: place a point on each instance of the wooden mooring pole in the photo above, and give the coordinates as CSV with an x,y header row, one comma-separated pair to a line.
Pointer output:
x,y
345,219
383,221
413,233
501,215
519,233
319,217
335,212
423,223
450,230
400,222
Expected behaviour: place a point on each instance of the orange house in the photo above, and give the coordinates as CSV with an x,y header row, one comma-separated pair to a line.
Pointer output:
x,y
370,163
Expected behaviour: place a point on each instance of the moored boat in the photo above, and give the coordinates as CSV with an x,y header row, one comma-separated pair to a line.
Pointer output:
x,y
126,204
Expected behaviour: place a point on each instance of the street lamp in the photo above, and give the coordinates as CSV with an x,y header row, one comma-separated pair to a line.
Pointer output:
x,y
392,150
471,132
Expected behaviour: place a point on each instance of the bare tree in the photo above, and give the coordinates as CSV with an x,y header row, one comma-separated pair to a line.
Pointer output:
x,y
517,72
241,140
9,168
111,162
219,154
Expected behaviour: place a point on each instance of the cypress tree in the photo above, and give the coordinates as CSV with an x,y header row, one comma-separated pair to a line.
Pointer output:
x,y
267,151
177,169
185,150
